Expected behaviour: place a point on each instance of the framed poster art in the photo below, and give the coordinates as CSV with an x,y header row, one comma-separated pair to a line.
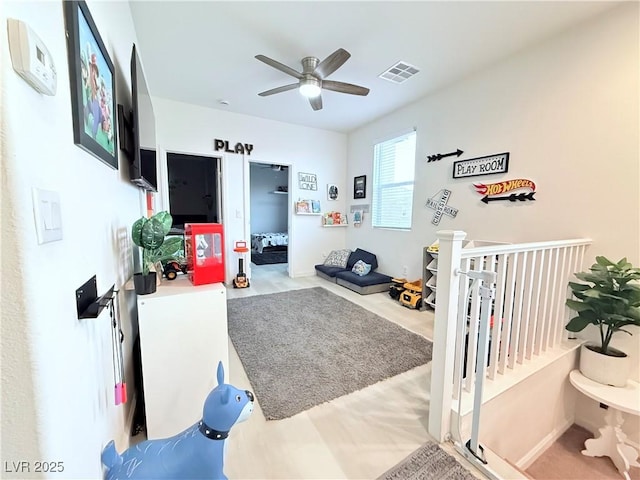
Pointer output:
x,y
92,81
360,187
332,191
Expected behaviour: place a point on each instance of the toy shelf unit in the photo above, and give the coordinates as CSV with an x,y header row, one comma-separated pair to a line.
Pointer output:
x,y
429,275
334,219
430,268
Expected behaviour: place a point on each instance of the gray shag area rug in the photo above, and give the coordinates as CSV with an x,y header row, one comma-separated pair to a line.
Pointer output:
x,y
429,462
301,348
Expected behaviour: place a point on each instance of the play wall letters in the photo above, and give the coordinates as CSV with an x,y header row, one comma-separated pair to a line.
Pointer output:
x,y
241,148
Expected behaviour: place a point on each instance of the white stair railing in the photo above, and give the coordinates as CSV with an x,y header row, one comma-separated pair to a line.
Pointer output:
x,y
527,319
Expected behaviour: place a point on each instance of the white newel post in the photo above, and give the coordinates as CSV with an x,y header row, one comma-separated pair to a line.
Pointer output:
x,y
444,332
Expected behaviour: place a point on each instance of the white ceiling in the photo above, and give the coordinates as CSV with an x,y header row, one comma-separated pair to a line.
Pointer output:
x,y
203,52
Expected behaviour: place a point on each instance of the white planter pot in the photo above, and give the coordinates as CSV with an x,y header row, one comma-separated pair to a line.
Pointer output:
x,y
605,369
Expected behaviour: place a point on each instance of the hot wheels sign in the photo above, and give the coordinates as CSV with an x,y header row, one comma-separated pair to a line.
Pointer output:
x,y
491,189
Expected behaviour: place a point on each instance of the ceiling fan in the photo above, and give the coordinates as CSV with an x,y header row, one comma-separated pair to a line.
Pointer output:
x,y
312,79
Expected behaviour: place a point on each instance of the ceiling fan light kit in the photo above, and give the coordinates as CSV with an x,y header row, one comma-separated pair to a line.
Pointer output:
x,y
310,86
311,81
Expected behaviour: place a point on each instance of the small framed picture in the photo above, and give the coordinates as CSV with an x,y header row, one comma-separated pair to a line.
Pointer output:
x,y
360,187
332,191
307,181
303,206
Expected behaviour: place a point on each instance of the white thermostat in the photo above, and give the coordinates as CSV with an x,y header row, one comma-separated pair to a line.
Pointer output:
x,y
30,57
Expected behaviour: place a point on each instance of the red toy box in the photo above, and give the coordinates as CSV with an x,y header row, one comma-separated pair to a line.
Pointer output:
x,y
204,248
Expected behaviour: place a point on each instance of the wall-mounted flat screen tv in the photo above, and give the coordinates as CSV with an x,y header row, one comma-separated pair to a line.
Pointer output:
x,y
143,164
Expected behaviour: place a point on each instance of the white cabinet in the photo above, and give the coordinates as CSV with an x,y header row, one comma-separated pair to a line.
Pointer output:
x,y
183,336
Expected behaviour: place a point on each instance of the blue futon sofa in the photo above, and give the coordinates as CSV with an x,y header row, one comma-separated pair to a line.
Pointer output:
x,y
339,268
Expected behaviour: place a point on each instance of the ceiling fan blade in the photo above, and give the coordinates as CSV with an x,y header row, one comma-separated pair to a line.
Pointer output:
x,y
333,62
279,66
284,88
343,87
316,102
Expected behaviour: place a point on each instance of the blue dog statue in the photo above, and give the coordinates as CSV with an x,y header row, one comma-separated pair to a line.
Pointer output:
x,y
196,453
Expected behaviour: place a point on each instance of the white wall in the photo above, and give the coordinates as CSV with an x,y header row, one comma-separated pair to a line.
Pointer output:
x,y
544,409
568,113
191,129
57,380
269,211
566,110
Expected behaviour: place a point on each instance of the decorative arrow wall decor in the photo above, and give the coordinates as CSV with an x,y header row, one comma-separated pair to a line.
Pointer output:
x,y
440,206
440,156
490,190
512,198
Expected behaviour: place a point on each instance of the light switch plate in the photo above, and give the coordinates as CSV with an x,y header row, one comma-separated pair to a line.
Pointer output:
x,y
47,215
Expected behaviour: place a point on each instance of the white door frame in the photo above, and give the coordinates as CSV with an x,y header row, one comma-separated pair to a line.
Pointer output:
x,y
247,209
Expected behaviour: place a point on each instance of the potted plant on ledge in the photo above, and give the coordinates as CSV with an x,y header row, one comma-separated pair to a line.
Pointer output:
x,y
611,301
150,234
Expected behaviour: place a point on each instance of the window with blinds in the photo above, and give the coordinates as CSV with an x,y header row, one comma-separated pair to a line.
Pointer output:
x,y
393,178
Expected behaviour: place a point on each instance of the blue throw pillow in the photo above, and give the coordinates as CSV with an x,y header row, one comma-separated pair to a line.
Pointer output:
x,y
366,257
361,268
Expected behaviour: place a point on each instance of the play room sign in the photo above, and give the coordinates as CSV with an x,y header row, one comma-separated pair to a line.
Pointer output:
x,y
498,163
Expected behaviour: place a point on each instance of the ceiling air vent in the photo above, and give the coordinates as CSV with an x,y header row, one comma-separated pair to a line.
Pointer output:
x,y
399,72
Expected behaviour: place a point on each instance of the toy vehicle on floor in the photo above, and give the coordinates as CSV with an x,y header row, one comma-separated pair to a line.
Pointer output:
x,y
411,297
397,287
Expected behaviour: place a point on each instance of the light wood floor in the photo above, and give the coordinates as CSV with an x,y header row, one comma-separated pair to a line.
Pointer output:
x,y
358,436
362,435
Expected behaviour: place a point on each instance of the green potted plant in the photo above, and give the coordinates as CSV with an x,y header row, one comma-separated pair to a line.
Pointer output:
x,y
610,300
150,234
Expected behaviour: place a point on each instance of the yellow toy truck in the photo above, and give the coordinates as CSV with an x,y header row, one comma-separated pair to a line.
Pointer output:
x,y
411,297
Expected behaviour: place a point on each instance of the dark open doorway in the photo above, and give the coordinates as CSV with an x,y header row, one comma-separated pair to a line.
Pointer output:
x,y
194,189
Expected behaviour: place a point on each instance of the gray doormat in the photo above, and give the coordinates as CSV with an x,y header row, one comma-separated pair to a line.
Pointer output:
x,y
305,347
429,462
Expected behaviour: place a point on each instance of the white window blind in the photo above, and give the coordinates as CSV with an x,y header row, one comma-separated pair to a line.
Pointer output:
x,y
393,178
